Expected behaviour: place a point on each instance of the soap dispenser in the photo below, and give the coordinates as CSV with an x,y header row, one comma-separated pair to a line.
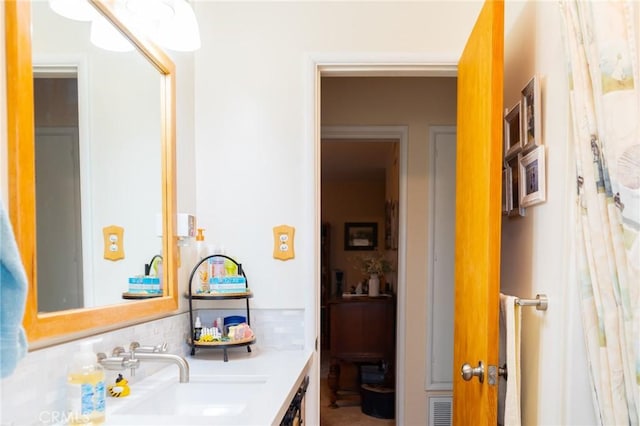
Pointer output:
x,y
85,389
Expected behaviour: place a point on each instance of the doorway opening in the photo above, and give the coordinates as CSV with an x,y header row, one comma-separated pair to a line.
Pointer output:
x,y
382,69
58,189
360,191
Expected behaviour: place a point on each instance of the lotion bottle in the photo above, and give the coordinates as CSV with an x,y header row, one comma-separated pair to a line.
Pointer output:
x,y
85,389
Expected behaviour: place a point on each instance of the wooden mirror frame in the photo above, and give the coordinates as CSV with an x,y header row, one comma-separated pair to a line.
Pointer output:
x,y
50,328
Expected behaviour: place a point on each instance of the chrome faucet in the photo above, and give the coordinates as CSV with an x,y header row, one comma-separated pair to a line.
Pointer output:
x,y
120,360
159,353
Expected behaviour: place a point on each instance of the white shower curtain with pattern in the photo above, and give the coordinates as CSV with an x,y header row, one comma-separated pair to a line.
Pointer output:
x,y
602,51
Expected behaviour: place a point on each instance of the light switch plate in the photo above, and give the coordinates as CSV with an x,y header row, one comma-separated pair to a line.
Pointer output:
x,y
283,242
113,242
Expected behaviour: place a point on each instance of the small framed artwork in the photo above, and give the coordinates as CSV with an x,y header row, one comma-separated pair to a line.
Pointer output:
x,y
391,225
360,236
512,133
506,190
531,115
532,178
515,208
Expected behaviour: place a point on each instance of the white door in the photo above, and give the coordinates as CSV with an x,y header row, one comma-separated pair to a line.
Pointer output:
x,y
58,219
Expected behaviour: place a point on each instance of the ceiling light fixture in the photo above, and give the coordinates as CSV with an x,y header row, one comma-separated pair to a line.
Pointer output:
x,y
106,36
78,10
182,32
170,23
156,10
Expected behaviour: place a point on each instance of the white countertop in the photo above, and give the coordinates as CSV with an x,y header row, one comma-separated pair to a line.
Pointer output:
x,y
281,373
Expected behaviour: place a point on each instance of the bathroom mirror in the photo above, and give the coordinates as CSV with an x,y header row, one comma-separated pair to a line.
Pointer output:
x,y
151,166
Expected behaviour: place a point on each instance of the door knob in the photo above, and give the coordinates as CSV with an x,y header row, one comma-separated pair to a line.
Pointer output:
x,y
468,372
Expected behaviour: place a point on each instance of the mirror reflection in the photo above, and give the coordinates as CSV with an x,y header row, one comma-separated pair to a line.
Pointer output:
x,y
98,163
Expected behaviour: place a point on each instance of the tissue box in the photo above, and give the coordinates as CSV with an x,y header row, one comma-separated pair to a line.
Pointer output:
x,y
145,285
227,288
230,284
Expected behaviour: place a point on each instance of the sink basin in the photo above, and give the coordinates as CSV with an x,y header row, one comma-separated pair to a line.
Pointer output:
x,y
204,395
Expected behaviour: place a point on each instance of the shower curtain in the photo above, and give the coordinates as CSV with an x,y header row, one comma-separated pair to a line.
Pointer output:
x,y
602,51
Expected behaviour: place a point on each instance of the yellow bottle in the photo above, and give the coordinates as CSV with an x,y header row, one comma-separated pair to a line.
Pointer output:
x,y
85,390
203,271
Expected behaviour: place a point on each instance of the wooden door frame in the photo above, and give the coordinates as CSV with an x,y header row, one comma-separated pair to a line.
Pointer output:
x,y
356,65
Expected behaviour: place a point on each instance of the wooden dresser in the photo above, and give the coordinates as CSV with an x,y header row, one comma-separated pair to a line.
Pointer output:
x,y
363,330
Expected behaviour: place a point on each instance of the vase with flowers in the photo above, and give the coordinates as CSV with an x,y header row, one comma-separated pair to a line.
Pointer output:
x,y
374,266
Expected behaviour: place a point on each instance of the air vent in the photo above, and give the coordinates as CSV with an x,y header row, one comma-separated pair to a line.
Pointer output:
x,y
440,411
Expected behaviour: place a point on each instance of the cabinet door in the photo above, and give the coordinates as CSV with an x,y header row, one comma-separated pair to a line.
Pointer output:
x,y
363,330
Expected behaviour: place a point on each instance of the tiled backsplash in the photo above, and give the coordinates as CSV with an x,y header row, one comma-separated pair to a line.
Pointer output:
x,y
35,393
274,328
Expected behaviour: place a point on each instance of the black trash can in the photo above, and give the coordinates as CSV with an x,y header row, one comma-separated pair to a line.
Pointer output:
x,y
378,401
371,374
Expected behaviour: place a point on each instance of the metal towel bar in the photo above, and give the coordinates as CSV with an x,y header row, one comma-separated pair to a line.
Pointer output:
x,y
541,302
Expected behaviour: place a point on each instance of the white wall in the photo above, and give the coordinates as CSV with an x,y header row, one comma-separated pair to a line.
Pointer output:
x,y
253,156
536,248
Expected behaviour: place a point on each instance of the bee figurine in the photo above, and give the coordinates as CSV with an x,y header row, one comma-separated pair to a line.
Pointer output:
x,y
120,389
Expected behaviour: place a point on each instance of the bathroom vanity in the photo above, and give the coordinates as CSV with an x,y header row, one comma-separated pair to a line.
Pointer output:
x,y
257,388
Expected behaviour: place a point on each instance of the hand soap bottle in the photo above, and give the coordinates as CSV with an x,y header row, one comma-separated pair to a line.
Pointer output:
x,y
85,389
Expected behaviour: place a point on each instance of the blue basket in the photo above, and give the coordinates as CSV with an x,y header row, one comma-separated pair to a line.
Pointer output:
x,y
234,320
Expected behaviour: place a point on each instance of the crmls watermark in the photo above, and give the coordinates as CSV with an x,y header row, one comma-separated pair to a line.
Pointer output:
x,y
62,418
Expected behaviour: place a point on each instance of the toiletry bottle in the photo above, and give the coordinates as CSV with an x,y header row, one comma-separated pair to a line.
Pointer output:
x,y
197,332
220,325
156,265
230,268
218,264
85,389
203,270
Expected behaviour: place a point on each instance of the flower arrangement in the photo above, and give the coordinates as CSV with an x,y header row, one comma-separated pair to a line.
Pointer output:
x,y
374,264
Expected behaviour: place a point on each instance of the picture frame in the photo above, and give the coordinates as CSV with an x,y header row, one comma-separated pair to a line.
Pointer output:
x,y
391,225
506,191
360,236
515,207
532,178
513,131
531,115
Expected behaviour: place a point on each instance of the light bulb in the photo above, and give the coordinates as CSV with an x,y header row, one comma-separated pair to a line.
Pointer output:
x,y
106,36
182,32
78,10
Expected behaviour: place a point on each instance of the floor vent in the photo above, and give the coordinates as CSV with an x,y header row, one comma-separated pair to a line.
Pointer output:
x,y
440,411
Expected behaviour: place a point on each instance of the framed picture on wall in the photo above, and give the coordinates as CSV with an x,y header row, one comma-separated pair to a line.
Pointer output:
x,y
515,208
532,178
512,131
506,190
531,115
360,236
391,225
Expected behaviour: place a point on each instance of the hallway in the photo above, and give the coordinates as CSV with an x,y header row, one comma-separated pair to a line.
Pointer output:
x,y
349,411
